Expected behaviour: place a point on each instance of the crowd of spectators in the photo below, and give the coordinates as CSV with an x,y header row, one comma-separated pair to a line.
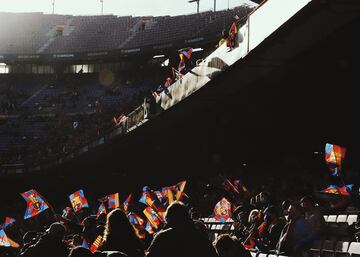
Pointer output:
x,y
61,114
264,221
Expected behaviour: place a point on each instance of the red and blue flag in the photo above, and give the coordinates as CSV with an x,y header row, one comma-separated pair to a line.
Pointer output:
x,y
228,186
113,201
149,228
333,189
334,156
78,200
127,203
179,189
223,210
153,217
35,203
4,241
85,244
66,212
101,209
138,224
149,198
8,222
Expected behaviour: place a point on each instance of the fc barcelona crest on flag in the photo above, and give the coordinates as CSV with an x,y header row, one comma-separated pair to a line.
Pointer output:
x,y
78,200
35,203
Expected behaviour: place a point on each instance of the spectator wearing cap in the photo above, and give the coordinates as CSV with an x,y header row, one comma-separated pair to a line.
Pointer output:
x,y
180,238
50,244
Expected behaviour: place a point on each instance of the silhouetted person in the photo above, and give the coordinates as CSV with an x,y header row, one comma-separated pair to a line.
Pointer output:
x,y
296,235
80,252
313,216
227,246
120,235
180,238
50,244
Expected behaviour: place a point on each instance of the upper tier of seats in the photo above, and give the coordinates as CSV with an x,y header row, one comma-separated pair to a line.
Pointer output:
x,y
38,33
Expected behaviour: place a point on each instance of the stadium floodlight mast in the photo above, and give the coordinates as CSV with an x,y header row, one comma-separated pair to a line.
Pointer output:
x,y
102,6
53,6
198,3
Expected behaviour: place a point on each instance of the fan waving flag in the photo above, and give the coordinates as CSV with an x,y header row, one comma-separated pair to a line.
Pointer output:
x,y
179,188
154,218
184,53
126,203
78,200
6,241
228,186
66,212
149,228
239,186
138,224
222,210
8,221
149,198
113,201
35,203
334,156
333,189
102,209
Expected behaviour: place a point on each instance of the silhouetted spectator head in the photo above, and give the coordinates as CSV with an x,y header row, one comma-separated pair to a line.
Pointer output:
x,y
227,246
307,202
253,216
102,219
57,230
89,229
264,198
271,214
29,236
295,211
201,227
77,240
241,214
285,206
177,215
109,254
80,252
117,223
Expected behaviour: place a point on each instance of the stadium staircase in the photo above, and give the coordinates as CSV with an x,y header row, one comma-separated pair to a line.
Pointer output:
x,y
52,34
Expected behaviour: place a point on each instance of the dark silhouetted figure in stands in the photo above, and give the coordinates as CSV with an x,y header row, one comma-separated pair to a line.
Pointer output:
x,y
80,252
89,230
313,216
50,244
120,236
180,238
273,227
296,235
227,246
